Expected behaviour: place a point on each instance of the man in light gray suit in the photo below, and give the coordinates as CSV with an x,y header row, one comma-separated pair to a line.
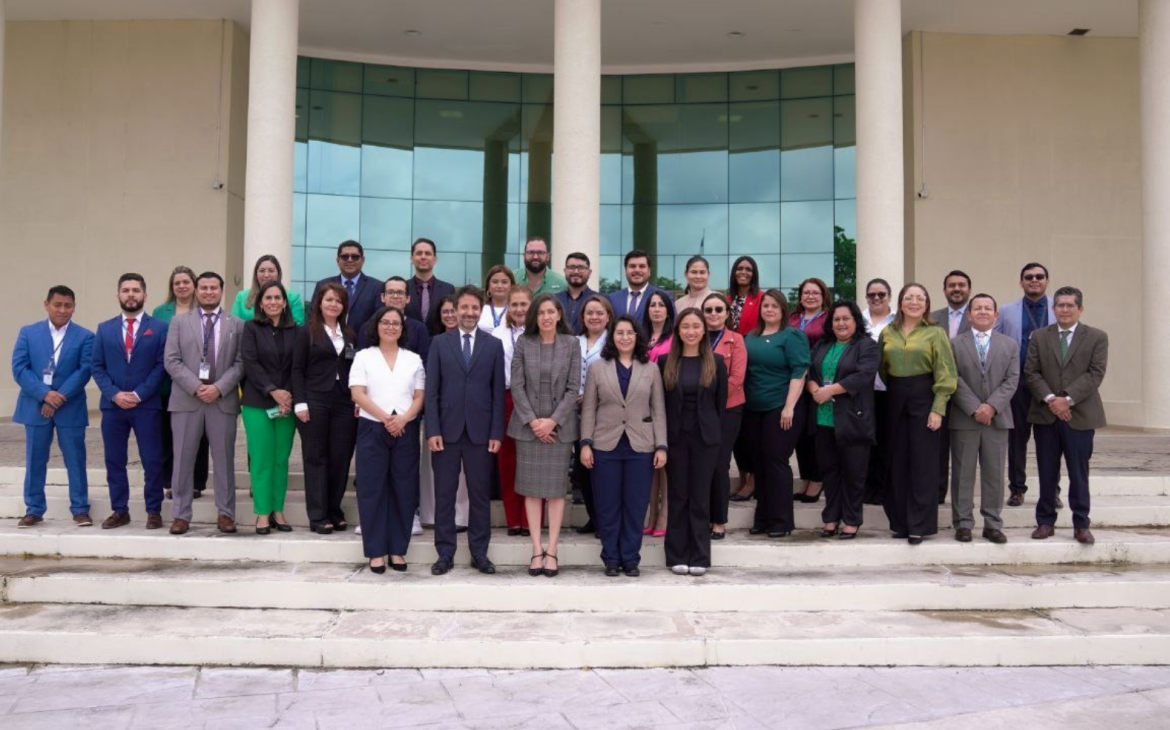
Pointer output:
x,y
203,359
981,419
952,318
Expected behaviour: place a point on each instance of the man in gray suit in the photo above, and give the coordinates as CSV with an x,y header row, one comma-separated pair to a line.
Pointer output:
x,y
203,359
980,419
952,318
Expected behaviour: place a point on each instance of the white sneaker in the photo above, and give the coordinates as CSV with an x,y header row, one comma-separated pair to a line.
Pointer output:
x,y
357,530
698,570
416,529
680,569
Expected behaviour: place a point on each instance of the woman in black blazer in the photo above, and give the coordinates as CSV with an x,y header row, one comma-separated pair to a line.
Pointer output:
x,y
322,357
266,348
841,381
695,382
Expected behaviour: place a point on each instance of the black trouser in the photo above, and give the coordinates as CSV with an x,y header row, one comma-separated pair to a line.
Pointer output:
x,y
878,472
690,465
1052,442
772,447
327,444
721,483
806,446
944,456
388,493
844,467
202,456
1018,440
475,461
912,502
744,457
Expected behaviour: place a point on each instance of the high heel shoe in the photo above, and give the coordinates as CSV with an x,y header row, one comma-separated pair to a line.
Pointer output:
x,y
398,567
658,533
534,572
551,572
737,497
647,530
378,569
826,532
809,498
847,535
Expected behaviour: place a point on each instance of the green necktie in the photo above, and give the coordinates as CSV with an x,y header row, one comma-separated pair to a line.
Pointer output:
x,y
1064,345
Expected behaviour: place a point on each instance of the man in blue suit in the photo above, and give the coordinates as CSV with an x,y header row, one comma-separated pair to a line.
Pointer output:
x,y
51,364
465,427
365,292
632,299
128,369
1019,320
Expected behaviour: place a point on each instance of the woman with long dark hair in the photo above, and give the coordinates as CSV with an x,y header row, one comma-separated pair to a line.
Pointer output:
x,y
813,299
743,302
729,345
658,324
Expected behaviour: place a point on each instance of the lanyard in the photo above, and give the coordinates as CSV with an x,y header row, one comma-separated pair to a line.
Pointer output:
x,y
53,356
806,322
1031,317
497,317
208,333
719,338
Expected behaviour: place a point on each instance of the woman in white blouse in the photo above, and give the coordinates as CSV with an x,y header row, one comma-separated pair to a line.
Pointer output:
x,y
387,385
596,318
496,285
519,299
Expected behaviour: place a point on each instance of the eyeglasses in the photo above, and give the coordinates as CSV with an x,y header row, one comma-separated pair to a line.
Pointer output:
x,y
349,257
577,267
389,325
536,254
396,294
714,310
1035,277
877,296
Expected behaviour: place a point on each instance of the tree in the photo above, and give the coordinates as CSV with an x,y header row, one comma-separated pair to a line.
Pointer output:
x,y
844,265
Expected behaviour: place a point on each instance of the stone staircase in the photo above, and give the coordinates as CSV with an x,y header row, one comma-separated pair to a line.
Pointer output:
x,y
86,595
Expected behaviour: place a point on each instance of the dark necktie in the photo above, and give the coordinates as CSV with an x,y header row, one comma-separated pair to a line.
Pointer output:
x,y
349,287
633,302
467,351
424,299
209,346
1064,345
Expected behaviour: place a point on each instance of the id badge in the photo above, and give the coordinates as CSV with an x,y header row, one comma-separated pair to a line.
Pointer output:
x,y
273,412
348,352
47,376
204,371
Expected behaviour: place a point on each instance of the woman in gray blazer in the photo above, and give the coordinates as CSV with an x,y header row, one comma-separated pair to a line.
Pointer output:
x,y
546,376
623,440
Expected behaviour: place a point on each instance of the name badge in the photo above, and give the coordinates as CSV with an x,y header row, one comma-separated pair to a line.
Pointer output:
x,y
204,371
348,352
47,376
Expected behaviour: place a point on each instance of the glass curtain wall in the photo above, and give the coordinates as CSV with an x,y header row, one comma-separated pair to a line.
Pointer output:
x,y
758,163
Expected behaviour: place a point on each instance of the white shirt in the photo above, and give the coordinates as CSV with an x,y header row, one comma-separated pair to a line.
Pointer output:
x,y
473,333
508,336
955,319
875,333
589,355
487,318
641,297
58,336
218,319
391,389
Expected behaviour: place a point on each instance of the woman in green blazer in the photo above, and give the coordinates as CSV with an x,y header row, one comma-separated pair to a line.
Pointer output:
x,y
267,269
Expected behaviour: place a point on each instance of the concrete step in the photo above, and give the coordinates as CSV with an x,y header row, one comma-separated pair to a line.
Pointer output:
x,y
36,633
1104,483
1111,511
210,584
801,550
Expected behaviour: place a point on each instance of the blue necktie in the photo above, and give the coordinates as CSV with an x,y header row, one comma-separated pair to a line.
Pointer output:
x,y
633,303
349,286
467,351
981,343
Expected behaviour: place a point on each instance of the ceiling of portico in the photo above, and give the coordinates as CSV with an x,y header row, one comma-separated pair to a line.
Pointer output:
x,y
637,35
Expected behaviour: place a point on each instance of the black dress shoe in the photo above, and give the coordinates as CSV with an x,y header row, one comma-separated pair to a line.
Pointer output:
x,y
398,567
993,535
780,532
281,526
914,540
441,567
263,530
829,533
460,529
1016,499
379,569
899,535
632,571
524,532
740,498
483,565
587,529
611,571
963,534
847,535
755,530
322,529
513,531
340,525
809,498
718,534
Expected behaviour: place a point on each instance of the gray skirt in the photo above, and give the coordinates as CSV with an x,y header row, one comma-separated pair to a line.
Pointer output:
x,y
542,470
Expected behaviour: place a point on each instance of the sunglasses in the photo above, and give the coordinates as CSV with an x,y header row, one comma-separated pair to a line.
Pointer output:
x,y
877,295
714,310
349,256
1035,277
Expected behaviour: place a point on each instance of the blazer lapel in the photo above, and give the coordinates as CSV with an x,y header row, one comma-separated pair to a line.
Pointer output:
x,y
1078,335
143,326
476,349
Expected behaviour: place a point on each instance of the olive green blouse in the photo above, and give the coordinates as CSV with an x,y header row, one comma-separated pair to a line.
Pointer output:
x,y
926,350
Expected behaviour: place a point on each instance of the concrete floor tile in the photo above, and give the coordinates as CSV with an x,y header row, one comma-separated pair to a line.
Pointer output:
x,y
527,692
6,703
329,700
650,684
1158,696
698,707
9,671
620,716
1132,709
1120,679
104,718
319,679
454,673
232,682
538,721
105,687
196,713
382,717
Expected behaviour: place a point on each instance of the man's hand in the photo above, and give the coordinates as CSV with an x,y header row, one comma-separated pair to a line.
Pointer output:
x,y
435,443
207,393
125,400
494,446
55,399
47,410
984,414
1060,408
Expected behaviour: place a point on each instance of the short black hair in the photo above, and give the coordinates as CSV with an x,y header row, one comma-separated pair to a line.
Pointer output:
x,y
882,282
956,272
209,275
60,290
635,254
421,240
372,335
1070,291
1034,265
131,276
982,295
580,257
542,239
350,244
396,278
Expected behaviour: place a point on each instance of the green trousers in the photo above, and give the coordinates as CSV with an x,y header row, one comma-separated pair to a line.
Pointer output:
x,y
270,442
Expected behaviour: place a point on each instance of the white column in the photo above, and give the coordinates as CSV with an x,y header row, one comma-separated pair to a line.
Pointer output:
x,y
3,31
576,131
1154,50
272,98
881,227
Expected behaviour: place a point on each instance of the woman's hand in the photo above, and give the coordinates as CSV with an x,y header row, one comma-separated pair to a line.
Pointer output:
x,y
303,416
283,399
542,428
822,395
587,456
934,421
396,425
659,459
786,417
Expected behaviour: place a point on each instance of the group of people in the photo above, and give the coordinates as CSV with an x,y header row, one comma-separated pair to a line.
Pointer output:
x,y
535,385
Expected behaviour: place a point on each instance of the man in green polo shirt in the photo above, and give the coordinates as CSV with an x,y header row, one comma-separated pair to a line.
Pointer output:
x,y
536,274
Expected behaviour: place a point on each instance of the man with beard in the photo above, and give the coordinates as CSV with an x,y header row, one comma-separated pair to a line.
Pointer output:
x,y
539,278
953,318
128,369
424,291
577,271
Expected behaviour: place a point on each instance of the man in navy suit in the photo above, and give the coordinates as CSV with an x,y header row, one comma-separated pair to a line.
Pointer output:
x,y
128,369
632,299
394,294
365,292
51,364
465,427
424,291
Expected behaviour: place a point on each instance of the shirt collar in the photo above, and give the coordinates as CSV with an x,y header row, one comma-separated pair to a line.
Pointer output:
x,y
137,317
355,280
61,331
632,290
1041,302
472,333
203,314
1072,329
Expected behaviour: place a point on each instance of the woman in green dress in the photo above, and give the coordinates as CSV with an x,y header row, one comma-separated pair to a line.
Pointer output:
x,y
267,269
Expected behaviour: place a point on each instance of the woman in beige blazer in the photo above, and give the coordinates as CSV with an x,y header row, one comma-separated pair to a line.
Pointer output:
x,y
623,440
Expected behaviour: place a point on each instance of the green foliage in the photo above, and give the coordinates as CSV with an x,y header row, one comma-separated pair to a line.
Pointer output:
x,y
844,265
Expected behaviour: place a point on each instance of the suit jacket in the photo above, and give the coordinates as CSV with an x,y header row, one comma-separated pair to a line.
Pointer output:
x,y
1079,377
184,351
366,299
466,399
32,352
942,317
712,403
1011,318
854,420
749,316
439,289
619,297
526,386
994,384
267,353
416,339
316,365
641,414
143,374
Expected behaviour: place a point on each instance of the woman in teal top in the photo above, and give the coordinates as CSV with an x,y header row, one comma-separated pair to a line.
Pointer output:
x,y
774,415
267,269
840,383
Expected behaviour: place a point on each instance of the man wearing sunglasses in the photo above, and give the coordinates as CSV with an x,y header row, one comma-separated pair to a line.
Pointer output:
x,y
365,293
1019,320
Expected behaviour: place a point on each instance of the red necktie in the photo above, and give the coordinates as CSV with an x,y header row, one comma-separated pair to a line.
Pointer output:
x,y
129,336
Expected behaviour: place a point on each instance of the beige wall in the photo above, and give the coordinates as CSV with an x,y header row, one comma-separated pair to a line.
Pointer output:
x,y
1029,150
115,134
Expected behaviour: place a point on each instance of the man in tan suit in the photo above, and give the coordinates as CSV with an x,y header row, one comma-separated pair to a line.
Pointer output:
x,y
1065,367
203,359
